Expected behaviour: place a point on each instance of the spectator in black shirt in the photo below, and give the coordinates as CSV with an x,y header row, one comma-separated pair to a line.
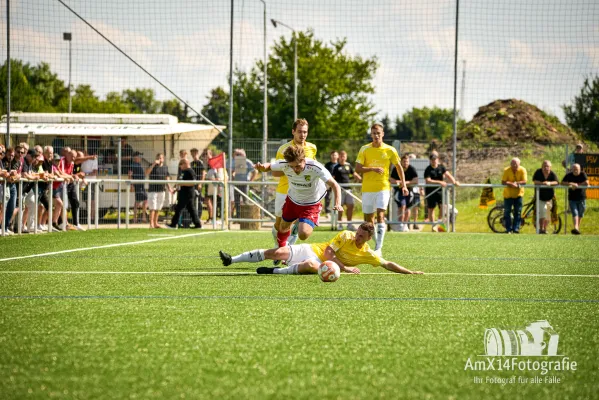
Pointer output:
x,y
136,172
576,195
198,167
330,166
404,203
545,176
126,156
343,173
435,173
186,195
13,166
156,192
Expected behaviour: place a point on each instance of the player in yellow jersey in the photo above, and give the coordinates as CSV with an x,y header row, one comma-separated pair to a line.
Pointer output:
x,y
374,162
300,134
347,249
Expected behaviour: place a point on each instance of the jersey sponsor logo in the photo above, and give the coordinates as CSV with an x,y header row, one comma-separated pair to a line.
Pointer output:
x,y
302,184
307,178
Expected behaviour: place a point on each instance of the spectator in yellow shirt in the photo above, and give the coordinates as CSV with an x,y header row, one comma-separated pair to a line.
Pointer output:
x,y
513,178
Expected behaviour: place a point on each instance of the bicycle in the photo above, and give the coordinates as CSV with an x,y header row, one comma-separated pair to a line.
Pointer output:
x,y
496,221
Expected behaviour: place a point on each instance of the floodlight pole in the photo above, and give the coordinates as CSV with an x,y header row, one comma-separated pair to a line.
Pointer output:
x,y
7,79
455,111
275,23
265,112
67,37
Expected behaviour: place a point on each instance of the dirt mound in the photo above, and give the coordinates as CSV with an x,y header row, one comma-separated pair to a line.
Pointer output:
x,y
515,121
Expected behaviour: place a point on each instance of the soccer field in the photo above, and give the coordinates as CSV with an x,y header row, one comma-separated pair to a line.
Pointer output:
x,y
140,314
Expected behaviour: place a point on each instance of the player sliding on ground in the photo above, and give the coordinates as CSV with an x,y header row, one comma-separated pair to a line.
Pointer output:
x,y
306,190
347,250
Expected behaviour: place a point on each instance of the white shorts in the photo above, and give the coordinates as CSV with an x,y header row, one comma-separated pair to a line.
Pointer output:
x,y
279,202
300,253
156,200
371,201
546,207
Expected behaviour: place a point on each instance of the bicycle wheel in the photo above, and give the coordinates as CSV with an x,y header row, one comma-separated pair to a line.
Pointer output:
x,y
495,211
555,227
498,224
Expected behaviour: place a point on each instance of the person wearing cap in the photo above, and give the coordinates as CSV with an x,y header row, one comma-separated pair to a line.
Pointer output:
x,y
435,174
513,178
136,172
569,162
373,163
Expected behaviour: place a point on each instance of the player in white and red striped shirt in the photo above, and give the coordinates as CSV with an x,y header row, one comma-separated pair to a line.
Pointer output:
x,y
307,188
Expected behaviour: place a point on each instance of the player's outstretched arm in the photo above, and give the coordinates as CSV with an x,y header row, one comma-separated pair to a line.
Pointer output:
x,y
337,190
329,254
393,267
262,167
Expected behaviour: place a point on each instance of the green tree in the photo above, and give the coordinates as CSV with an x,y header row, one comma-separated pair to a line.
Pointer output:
x,y
427,124
583,114
176,108
388,129
27,91
141,100
333,92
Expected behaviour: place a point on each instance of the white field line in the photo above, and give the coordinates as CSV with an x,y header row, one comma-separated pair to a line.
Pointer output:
x,y
250,272
107,246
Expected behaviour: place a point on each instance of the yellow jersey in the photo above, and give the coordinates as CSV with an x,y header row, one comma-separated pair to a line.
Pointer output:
x,y
373,157
508,175
346,251
309,150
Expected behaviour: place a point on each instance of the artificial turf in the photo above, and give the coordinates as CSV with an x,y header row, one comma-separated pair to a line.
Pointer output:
x,y
195,329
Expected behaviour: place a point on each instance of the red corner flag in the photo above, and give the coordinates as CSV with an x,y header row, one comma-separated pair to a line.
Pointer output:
x,y
217,162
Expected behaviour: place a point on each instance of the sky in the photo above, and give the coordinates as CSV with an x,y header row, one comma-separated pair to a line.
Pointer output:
x,y
538,51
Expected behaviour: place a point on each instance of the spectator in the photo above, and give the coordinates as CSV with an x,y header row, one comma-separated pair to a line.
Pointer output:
x,y
13,166
156,192
200,169
89,167
126,156
576,195
136,172
435,173
30,171
343,173
186,195
545,176
567,163
245,172
404,203
330,165
3,183
513,178
47,167
63,168
68,167
214,175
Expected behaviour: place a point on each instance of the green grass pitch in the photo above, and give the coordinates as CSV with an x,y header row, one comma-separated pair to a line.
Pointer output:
x,y
164,319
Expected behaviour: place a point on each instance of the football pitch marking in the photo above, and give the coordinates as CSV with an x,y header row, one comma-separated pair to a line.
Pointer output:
x,y
290,298
224,273
106,246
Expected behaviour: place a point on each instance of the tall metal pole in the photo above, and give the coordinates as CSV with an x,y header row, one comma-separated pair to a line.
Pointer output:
x,y
294,77
7,74
455,105
265,112
230,157
276,23
70,66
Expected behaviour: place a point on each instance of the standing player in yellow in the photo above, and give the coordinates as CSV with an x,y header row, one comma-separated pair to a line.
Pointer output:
x,y
373,163
347,250
300,134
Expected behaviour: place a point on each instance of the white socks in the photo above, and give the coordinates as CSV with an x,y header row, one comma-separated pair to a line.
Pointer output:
x,y
379,236
294,234
290,270
250,256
